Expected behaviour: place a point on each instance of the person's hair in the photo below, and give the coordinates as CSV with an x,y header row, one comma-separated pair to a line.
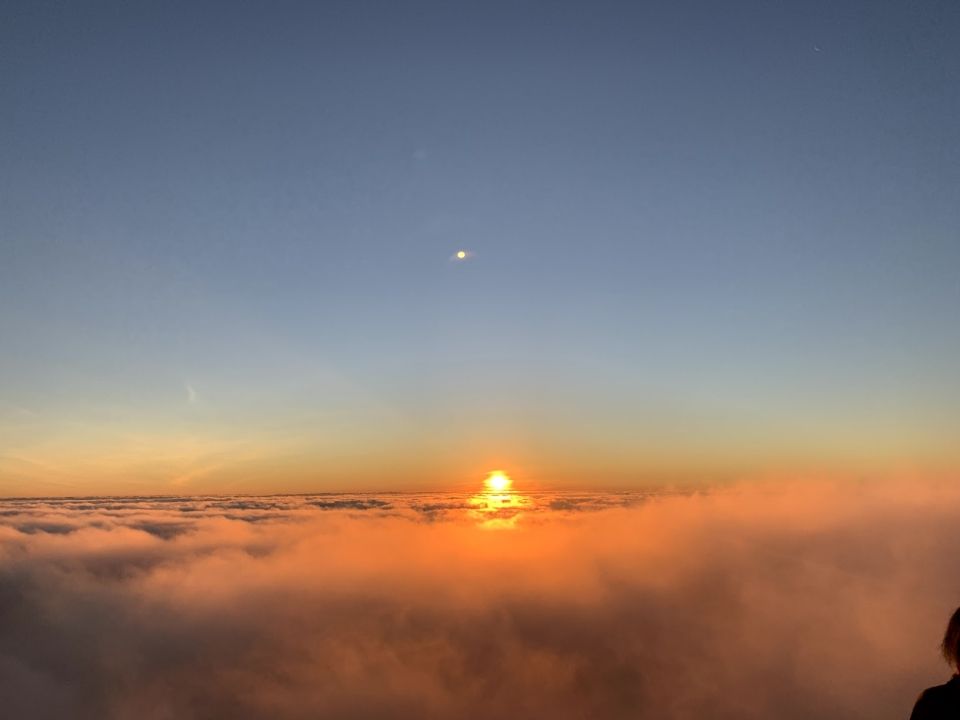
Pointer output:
x,y
950,647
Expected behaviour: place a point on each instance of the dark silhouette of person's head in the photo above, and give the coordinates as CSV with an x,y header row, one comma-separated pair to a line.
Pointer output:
x,y
943,701
951,641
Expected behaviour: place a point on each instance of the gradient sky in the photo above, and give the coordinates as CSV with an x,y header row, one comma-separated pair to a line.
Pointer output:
x,y
708,240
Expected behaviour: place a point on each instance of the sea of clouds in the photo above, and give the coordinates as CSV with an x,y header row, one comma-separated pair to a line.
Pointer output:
x,y
807,600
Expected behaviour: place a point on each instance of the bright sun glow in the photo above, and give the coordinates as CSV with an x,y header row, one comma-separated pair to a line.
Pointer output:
x,y
461,254
497,481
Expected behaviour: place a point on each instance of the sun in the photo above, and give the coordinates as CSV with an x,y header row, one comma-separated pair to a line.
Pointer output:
x,y
498,481
461,254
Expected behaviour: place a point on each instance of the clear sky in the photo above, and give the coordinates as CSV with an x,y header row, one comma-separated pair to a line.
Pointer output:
x,y
705,240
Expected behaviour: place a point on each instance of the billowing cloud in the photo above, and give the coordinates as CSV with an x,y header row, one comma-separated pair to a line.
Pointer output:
x,y
754,602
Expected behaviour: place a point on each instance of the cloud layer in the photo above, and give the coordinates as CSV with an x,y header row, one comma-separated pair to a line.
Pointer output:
x,y
790,601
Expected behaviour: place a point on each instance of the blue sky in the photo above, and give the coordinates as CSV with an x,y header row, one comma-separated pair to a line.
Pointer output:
x,y
707,239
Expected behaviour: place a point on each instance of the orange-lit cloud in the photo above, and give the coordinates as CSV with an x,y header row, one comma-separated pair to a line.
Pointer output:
x,y
752,602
